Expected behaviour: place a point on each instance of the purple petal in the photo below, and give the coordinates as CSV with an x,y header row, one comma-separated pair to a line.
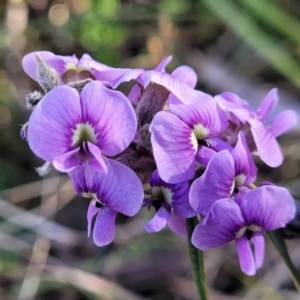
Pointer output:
x,y
216,183
243,161
159,221
86,61
112,116
78,180
172,148
98,163
68,161
120,188
232,103
186,74
204,155
180,89
259,248
204,110
267,105
135,94
217,144
162,65
269,207
104,228
180,200
268,148
52,121
92,210
128,75
245,256
177,224
283,122
220,226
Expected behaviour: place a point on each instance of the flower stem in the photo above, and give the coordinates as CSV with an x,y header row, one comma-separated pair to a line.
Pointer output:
x,y
277,239
197,262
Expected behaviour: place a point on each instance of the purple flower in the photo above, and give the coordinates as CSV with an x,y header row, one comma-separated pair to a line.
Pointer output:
x,y
171,204
68,128
70,68
119,190
177,136
264,133
262,209
225,173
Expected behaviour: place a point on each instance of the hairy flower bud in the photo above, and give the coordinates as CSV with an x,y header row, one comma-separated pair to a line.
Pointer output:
x,y
47,77
152,101
32,99
145,138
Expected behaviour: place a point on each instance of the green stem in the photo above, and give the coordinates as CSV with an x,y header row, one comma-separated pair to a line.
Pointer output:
x,y
197,262
277,239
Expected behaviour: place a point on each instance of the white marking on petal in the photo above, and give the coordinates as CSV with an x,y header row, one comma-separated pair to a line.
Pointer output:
x,y
83,132
159,192
239,179
241,232
194,141
254,228
200,131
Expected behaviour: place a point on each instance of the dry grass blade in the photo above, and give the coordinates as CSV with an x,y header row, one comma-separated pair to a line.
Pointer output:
x,y
49,229
101,287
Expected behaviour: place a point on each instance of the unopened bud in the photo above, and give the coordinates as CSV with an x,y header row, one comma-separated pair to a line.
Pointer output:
x,y
32,99
47,77
145,138
153,100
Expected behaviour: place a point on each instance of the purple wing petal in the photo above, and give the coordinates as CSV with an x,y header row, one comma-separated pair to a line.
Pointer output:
x,y
172,148
204,155
267,105
216,183
204,110
177,224
243,161
135,94
127,76
51,124
186,74
232,103
159,221
104,228
219,227
92,210
86,61
68,161
283,122
112,116
269,207
259,249
245,256
98,161
267,146
180,89
162,65
120,188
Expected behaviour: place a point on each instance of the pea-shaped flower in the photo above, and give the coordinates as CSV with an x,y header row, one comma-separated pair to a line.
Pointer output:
x,y
67,128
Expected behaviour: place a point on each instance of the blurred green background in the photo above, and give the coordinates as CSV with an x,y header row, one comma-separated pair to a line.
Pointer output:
x,y
247,47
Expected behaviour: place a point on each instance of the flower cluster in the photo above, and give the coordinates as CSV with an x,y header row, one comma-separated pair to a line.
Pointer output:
x,y
192,151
